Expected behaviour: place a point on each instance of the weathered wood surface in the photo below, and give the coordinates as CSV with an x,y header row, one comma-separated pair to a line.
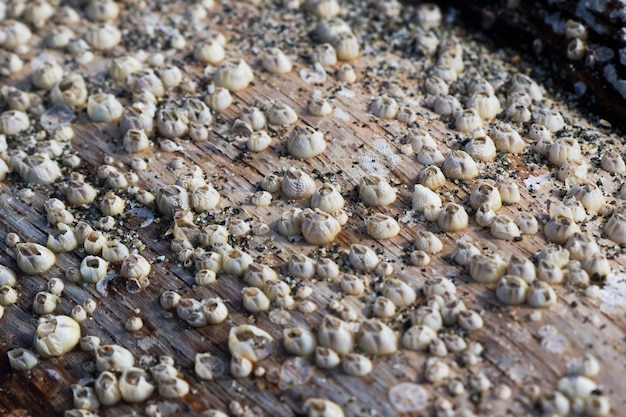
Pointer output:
x,y
515,351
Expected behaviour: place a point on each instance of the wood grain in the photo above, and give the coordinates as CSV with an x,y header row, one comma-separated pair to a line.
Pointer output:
x,y
514,352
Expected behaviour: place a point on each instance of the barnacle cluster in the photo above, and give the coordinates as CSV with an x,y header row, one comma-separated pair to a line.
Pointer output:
x,y
384,212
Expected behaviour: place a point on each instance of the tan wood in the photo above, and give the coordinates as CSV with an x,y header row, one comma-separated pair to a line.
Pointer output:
x,y
515,351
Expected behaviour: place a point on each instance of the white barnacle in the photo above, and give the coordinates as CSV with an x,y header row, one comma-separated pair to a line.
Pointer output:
x,y
103,36
172,123
250,342
615,228
563,150
134,386
380,226
103,107
445,105
399,292
347,46
356,364
33,258
209,51
45,76
319,107
122,67
327,269
512,290
335,334
93,269
487,105
559,229
135,266
549,272
431,177
418,337
299,341
297,184
425,200
427,316
352,285
305,142
463,252
485,193
326,358
235,262
107,388
8,295
503,227
435,86
135,140
376,338
327,198
613,162
214,310
506,138
428,242
459,165
71,91
329,28
384,107
430,155
318,227
467,120
22,359
324,54
259,141
56,335
363,258
376,191
85,398
487,267
523,83
219,99
590,195
518,112
275,61
204,198
452,218
521,267
171,199
550,118
281,114
14,34
234,75
541,294
418,139
321,407
62,241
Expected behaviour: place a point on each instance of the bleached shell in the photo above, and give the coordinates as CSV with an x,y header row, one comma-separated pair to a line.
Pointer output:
x,y
318,227
423,196
305,142
297,184
234,74
376,191
381,226
56,336
250,342
327,198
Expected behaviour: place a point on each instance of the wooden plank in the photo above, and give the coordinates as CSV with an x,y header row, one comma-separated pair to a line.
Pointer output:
x,y
521,348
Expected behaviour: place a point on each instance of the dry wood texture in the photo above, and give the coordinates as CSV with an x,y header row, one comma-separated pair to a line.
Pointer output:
x,y
522,346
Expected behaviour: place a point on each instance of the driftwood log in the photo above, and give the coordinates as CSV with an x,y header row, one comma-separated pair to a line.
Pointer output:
x,y
524,348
